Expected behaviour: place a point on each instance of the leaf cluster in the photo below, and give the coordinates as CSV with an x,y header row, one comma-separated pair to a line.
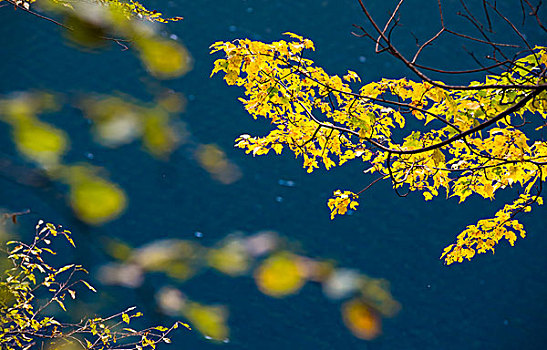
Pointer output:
x,y
278,271
30,288
129,9
422,136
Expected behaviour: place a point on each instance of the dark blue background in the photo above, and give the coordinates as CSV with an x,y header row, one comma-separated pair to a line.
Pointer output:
x,y
494,302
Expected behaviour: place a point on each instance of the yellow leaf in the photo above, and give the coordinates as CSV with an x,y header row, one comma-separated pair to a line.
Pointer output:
x,y
94,199
72,293
280,275
61,304
470,105
292,35
352,76
89,286
64,268
278,147
438,157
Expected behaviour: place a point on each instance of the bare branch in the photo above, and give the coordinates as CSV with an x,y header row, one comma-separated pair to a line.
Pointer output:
x,y
397,54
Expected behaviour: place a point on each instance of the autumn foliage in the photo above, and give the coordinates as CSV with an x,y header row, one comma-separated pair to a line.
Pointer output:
x,y
32,287
466,140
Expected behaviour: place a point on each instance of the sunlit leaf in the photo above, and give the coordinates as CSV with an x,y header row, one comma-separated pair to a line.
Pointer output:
x,y
361,320
94,199
280,275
